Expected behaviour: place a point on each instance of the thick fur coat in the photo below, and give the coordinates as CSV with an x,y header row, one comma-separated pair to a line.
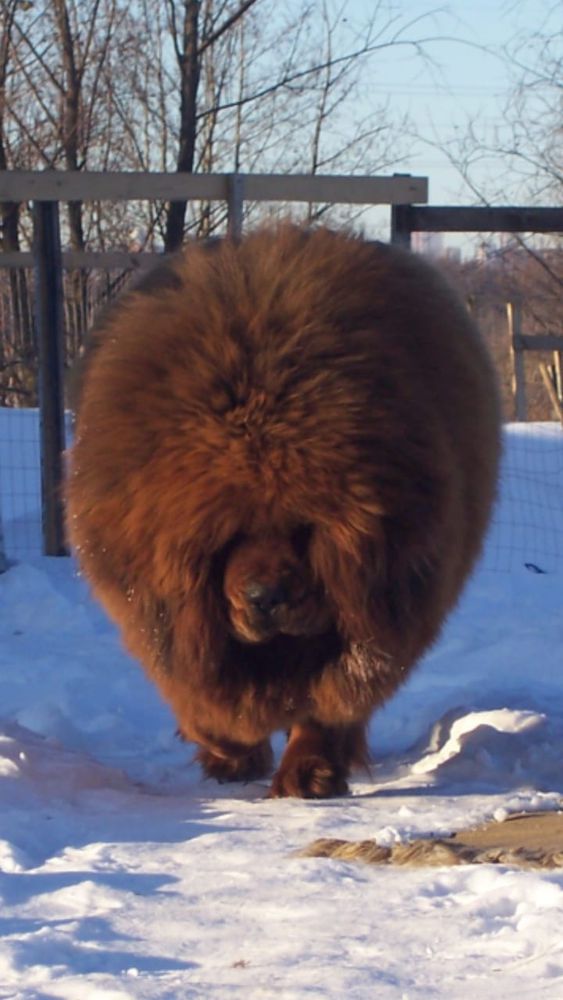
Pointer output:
x,y
285,460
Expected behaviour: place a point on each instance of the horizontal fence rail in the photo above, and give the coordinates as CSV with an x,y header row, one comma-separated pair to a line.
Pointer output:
x,y
46,189
58,185
75,260
408,219
405,194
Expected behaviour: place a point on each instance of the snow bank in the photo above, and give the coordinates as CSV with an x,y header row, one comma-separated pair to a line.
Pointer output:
x,y
124,875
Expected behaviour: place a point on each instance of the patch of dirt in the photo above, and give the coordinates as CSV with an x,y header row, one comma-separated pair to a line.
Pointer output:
x,y
525,840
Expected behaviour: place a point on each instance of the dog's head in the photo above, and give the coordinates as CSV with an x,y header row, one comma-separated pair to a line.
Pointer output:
x,y
269,588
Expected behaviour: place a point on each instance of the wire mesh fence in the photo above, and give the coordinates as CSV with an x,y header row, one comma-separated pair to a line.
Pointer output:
x,y
85,293
20,477
527,528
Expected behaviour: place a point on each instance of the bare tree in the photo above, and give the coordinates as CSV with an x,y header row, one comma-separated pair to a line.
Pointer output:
x,y
200,85
260,86
532,138
186,48
192,86
520,161
64,48
529,140
16,343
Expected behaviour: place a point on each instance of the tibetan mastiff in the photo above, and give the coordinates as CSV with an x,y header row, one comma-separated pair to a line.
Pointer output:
x,y
284,464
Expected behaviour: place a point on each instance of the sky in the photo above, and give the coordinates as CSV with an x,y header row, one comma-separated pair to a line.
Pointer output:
x,y
462,81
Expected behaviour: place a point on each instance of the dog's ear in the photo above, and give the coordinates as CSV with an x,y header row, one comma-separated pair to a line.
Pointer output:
x,y
351,568
198,635
378,590
174,636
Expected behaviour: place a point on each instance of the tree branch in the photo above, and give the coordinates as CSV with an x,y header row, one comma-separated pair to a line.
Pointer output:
x,y
217,34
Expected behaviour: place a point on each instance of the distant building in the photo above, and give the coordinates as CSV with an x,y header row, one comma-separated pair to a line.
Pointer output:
x,y
431,244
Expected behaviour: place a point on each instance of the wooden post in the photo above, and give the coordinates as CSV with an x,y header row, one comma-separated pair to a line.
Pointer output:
x,y
514,317
49,323
235,205
558,375
550,385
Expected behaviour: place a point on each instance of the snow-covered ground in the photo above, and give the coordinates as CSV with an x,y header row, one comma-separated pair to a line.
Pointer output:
x,y
123,874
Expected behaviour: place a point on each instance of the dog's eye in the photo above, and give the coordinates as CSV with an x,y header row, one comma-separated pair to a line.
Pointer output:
x,y
221,398
220,558
301,538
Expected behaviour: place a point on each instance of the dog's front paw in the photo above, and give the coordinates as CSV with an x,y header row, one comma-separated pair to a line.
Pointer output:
x,y
255,762
310,776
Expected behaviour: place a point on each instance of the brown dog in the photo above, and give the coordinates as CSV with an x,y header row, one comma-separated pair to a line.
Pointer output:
x,y
285,460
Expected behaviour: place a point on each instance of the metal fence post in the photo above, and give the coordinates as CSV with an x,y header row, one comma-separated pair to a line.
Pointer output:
x,y
401,225
235,205
49,324
3,560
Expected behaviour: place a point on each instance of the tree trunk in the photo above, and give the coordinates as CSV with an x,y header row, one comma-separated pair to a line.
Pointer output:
x,y
20,335
189,62
77,283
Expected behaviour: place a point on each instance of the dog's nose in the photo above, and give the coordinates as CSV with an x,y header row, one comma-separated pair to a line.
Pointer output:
x,y
266,597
